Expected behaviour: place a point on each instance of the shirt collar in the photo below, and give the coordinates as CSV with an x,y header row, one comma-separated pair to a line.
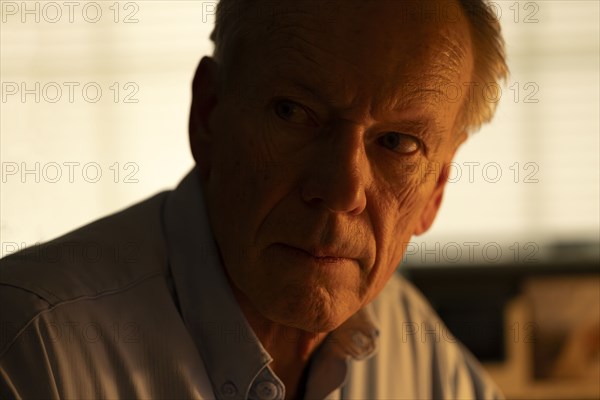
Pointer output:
x,y
232,354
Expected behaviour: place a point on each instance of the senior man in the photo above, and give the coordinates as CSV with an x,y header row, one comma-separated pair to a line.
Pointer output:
x,y
322,132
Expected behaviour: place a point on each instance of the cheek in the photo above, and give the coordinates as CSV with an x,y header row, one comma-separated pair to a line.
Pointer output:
x,y
247,181
395,211
237,162
398,206
244,143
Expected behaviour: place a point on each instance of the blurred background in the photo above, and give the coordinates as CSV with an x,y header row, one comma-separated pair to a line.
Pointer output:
x,y
93,117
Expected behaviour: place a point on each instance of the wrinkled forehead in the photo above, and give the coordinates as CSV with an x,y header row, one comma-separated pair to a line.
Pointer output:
x,y
380,37
376,18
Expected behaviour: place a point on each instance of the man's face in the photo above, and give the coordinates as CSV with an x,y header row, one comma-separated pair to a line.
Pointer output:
x,y
325,149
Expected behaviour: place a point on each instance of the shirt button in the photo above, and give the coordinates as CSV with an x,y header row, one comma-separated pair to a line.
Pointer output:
x,y
228,389
266,390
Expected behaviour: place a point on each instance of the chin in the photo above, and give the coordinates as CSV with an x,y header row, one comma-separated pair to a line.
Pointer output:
x,y
311,309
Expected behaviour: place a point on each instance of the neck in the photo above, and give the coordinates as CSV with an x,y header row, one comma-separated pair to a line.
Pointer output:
x,y
290,348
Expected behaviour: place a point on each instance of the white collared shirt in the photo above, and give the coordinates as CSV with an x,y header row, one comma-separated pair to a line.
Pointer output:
x,y
136,305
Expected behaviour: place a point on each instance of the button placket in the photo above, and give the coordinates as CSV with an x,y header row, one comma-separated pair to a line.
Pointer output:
x,y
267,390
266,386
228,389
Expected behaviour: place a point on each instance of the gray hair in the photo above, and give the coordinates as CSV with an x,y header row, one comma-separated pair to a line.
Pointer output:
x,y
490,67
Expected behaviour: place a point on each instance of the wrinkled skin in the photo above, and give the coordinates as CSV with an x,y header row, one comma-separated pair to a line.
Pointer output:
x,y
331,141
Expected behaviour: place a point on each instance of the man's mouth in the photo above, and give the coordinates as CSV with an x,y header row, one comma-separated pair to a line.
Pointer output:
x,y
321,255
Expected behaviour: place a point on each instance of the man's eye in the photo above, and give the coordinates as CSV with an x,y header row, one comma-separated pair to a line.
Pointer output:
x,y
399,142
292,112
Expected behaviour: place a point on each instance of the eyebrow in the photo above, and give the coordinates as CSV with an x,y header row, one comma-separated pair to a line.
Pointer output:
x,y
407,98
297,84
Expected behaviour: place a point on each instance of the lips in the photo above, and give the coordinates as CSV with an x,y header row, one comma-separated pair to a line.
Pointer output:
x,y
322,254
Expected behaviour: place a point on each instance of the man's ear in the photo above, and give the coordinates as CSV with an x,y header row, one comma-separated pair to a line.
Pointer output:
x,y
204,100
435,200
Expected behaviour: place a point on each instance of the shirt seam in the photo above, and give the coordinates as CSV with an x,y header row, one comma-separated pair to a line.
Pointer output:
x,y
69,301
26,290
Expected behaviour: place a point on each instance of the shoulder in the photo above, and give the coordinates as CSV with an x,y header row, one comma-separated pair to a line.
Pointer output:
x,y
106,255
412,328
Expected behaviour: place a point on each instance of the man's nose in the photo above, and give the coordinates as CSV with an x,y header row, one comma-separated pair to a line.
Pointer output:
x,y
338,176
